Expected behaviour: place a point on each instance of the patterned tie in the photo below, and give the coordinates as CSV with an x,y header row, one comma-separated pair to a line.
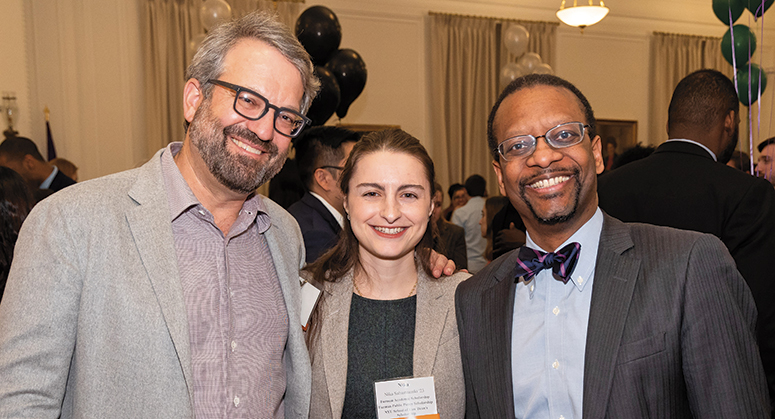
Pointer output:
x,y
531,261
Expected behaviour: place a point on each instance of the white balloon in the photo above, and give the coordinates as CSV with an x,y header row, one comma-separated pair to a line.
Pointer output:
x,y
214,11
543,68
509,73
516,38
530,61
195,42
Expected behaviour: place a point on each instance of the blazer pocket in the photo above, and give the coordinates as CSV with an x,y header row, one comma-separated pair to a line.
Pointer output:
x,y
634,351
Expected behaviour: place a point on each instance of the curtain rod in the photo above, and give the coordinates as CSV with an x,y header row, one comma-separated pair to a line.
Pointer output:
x,y
685,35
431,13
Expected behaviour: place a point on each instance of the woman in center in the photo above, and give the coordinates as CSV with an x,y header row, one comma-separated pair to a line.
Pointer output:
x,y
381,315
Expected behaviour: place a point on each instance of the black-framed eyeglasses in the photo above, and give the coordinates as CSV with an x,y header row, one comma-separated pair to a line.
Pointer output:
x,y
251,105
331,167
561,136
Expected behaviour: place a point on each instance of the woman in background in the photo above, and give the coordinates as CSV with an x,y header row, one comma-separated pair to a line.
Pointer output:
x,y
16,201
381,314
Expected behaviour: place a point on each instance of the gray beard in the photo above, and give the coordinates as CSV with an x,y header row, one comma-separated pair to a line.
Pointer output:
x,y
237,172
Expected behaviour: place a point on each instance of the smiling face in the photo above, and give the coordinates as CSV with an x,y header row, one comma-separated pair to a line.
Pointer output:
x,y
389,205
460,198
242,154
554,190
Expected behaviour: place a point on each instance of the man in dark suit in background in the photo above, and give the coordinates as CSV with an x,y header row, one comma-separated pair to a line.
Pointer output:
x,y
451,238
22,155
320,156
642,321
686,184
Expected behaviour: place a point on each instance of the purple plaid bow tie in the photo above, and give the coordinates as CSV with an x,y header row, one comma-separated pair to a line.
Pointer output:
x,y
531,261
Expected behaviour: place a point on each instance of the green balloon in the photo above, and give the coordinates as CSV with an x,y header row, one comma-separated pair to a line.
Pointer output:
x,y
755,7
745,45
746,79
722,8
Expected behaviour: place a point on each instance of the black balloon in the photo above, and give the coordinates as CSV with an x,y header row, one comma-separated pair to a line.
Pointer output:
x,y
350,72
327,100
319,32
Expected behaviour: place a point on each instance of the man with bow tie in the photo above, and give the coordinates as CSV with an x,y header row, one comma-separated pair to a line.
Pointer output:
x,y
595,318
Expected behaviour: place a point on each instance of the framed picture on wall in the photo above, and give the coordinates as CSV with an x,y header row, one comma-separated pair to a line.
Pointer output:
x,y
617,136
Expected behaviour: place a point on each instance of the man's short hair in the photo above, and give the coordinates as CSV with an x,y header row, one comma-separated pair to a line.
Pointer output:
x,y
476,185
765,143
207,63
320,146
533,80
701,99
453,189
15,148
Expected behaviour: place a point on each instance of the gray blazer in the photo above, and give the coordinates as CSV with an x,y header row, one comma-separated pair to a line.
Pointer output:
x,y
671,331
436,346
93,320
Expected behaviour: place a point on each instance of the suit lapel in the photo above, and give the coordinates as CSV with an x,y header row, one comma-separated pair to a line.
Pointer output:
x,y
429,324
615,278
336,323
151,228
278,248
497,309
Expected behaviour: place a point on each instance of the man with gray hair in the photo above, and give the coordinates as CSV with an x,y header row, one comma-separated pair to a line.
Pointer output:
x,y
171,290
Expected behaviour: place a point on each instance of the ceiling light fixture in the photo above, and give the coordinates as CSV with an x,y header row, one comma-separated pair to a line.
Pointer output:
x,y
581,16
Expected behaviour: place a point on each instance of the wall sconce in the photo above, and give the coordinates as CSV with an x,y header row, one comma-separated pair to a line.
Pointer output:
x,y
10,111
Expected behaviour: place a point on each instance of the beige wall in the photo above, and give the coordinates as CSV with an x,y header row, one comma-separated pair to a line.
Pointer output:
x,y
83,60
13,70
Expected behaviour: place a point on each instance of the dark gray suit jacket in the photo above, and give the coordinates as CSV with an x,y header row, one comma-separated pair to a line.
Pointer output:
x,y
681,186
671,331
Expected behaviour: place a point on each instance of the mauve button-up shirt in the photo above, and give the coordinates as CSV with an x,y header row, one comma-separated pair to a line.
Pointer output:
x,y
237,320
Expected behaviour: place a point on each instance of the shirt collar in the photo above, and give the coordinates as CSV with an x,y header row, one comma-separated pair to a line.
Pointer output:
x,y
589,238
712,154
337,215
50,179
179,194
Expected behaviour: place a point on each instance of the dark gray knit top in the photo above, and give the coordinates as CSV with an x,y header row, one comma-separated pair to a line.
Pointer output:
x,y
380,346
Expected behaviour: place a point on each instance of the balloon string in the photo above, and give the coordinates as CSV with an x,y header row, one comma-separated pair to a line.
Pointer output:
x,y
750,117
734,62
759,106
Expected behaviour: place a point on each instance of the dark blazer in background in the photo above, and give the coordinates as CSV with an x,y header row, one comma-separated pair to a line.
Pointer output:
x,y
670,331
60,182
681,186
318,226
451,243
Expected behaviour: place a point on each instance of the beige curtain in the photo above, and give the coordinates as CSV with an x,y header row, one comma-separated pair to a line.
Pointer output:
x,y
465,61
170,25
673,57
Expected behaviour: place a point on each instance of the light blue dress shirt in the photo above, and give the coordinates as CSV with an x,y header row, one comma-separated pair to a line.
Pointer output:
x,y
47,183
549,333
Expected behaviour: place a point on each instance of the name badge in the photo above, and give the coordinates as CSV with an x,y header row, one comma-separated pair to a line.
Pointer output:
x,y
310,294
407,398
